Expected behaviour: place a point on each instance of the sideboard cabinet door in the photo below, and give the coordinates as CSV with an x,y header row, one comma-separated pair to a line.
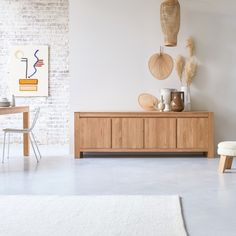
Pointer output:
x,y
160,133
192,133
127,133
95,133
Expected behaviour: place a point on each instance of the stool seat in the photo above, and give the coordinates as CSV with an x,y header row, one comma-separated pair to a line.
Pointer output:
x,y
227,144
226,150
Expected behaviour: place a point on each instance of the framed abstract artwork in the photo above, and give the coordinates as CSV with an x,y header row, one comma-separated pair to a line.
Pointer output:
x,y
29,70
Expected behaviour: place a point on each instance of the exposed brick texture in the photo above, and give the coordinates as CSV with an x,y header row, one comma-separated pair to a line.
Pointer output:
x,y
39,22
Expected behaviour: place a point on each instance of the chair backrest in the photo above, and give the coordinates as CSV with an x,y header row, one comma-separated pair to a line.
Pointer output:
x,y
35,118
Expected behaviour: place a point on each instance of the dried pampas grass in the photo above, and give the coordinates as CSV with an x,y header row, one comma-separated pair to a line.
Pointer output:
x,y
190,71
186,68
179,66
191,46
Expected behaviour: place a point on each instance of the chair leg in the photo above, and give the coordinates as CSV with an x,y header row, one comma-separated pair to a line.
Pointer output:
x,y
33,147
8,146
36,145
4,144
223,163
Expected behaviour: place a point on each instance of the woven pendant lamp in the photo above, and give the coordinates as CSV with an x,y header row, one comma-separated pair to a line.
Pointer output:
x,y
170,21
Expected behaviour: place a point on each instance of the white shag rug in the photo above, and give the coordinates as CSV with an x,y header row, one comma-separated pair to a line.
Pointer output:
x,y
91,216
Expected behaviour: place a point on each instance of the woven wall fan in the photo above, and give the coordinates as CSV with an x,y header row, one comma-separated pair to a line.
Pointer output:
x,y
147,101
161,65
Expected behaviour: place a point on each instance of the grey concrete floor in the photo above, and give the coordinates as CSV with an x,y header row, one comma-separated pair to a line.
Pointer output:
x,y
209,198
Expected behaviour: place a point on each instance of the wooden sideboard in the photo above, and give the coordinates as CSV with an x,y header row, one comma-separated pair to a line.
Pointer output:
x,y
144,132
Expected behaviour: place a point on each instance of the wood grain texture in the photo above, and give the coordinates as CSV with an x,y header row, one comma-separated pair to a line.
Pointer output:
x,y
13,110
145,114
26,136
229,162
127,133
160,133
95,133
192,133
146,150
211,135
187,132
223,163
76,135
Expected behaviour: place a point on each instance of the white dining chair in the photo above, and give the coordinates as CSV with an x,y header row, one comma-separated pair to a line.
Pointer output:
x,y
23,131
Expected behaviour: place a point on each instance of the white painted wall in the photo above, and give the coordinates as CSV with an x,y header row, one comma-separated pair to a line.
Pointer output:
x,y
111,42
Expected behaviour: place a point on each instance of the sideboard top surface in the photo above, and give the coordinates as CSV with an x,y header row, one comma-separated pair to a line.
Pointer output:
x,y
145,114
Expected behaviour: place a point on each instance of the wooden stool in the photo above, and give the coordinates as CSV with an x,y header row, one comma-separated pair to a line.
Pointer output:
x,y
226,150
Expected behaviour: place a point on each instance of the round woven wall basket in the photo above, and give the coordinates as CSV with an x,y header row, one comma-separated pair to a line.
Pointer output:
x,y
147,101
161,65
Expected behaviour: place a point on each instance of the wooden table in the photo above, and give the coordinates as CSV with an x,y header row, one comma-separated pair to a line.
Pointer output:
x,y
25,111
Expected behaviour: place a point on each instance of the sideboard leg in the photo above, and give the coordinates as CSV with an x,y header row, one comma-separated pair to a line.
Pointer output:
x,y
211,148
79,155
210,154
76,136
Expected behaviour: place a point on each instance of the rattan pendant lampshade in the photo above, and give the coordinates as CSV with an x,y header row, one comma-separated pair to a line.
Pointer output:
x,y
170,21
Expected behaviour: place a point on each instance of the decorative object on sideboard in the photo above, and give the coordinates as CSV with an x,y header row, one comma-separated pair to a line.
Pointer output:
x,y
177,101
4,102
190,70
165,93
187,97
161,105
147,101
186,69
179,66
190,73
161,65
170,21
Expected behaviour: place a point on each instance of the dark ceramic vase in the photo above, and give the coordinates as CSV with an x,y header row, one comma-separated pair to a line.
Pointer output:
x,y
177,101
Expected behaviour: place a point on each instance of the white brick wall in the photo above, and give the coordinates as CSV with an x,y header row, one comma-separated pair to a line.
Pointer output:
x,y
24,22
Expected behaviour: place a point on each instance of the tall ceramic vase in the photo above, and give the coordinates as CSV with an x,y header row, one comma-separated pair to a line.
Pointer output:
x,y
187,98
170,21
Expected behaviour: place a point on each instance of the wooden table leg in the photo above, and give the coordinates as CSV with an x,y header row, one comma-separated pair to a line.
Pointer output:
x,y
26,136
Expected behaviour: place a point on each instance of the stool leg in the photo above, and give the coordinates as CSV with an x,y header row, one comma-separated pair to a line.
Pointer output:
x,y
223,163
229,162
